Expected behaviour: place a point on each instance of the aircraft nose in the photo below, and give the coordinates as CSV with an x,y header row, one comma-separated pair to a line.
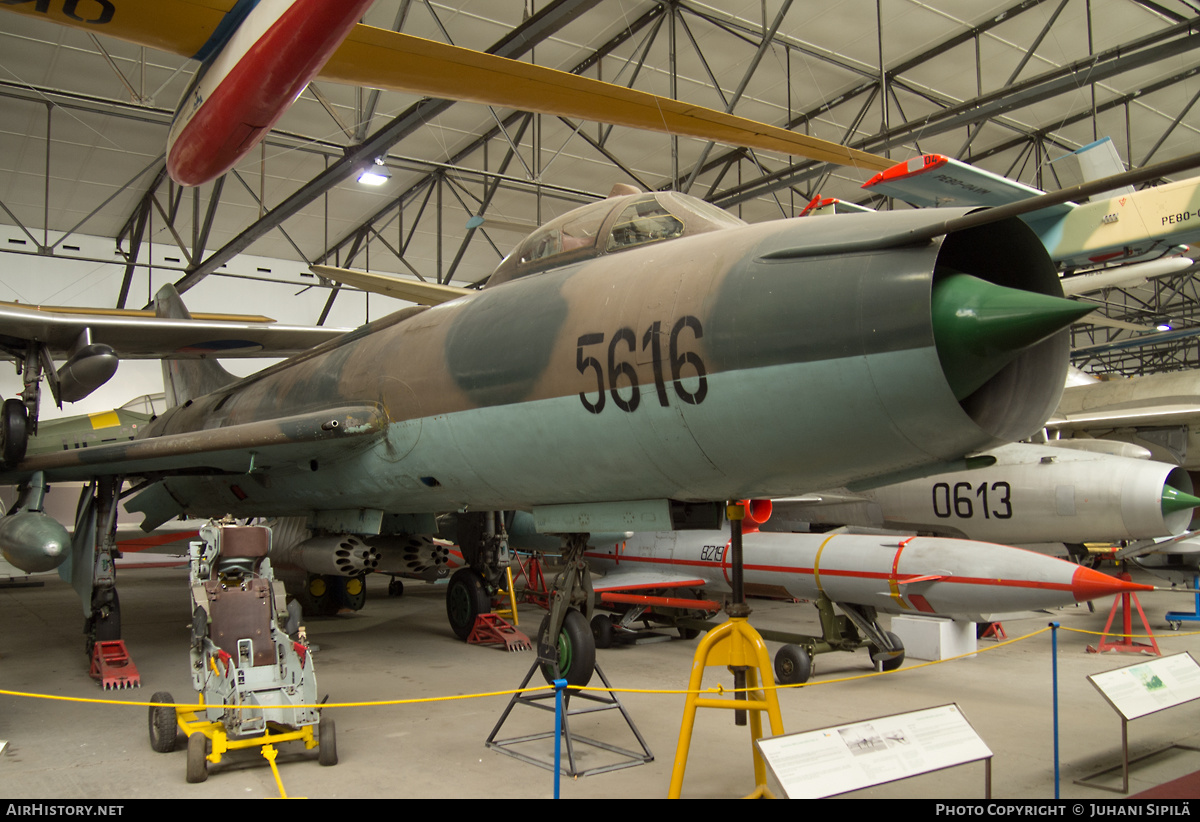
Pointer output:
x,y
979,327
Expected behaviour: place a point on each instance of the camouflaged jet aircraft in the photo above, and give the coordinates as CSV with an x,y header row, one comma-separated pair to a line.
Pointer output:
x,y
631,366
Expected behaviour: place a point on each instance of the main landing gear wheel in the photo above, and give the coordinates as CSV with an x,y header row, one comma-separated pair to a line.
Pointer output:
x,y
163,728
793,665
575,650
466,598
103,627
602,630
14,431
896,661
197,762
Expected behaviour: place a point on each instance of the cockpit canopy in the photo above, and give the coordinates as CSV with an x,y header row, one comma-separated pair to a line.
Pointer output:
x,y
611,225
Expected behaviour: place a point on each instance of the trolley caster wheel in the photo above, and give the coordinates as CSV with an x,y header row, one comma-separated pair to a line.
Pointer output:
x,y
327,742
163,727
197,761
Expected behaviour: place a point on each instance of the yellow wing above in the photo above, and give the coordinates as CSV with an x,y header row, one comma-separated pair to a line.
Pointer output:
x,y
384,59
400,62
416,291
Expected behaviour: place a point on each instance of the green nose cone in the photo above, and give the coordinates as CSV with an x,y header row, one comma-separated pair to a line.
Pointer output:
x,y
979,327
1175,500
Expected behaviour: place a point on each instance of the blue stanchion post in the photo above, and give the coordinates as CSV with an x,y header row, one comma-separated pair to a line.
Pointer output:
x,y
1054,687
560,685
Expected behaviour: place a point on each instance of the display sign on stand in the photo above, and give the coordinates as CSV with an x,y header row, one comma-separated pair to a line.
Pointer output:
x,y
843,758
1139,690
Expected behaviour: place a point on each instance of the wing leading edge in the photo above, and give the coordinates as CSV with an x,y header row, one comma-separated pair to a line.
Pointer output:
x,y
379,58
234,448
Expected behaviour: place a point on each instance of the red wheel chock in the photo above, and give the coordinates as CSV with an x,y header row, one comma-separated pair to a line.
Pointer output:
x,y
491,629
112,666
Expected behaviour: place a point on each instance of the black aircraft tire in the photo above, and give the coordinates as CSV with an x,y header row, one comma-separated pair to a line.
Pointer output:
x,y
793,665
14,431
602,630
466,598
163,728
896,661
104,629
576,651
197,761
327,742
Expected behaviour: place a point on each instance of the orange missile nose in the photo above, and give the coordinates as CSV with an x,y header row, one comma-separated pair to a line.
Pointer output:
x,y
1088,584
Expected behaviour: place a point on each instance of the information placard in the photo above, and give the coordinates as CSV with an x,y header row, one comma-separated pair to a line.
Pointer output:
x,y
1141,689
843,758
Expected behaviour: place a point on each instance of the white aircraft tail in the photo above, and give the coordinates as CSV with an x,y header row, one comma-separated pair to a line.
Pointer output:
x,y
185,380
1099,160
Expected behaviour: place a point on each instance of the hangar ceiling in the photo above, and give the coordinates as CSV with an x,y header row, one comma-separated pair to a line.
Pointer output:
x,y
1010,86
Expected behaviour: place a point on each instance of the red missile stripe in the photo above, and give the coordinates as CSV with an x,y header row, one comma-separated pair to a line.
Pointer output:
x,y
136,544
663,602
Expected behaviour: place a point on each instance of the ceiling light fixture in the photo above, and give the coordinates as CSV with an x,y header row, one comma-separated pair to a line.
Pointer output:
x,y
375,175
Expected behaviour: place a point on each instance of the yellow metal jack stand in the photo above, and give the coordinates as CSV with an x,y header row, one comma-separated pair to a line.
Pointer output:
x,y
736,645
510,594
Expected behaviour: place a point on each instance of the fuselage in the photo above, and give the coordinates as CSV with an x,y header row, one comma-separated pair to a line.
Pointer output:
x,y
693,368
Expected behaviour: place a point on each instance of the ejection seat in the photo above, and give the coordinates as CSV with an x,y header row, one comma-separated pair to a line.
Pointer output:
x,y
255,682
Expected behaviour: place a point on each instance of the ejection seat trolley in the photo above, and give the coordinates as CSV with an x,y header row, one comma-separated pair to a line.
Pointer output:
x,y
251,669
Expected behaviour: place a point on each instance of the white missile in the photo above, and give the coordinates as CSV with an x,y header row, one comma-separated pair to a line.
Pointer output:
x,y
1123,276
962,579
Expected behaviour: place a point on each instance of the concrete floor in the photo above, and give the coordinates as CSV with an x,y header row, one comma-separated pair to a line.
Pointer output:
x,y
402,648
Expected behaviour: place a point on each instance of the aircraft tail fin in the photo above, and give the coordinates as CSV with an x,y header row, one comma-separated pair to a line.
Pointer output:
x,y
1099,160
185,380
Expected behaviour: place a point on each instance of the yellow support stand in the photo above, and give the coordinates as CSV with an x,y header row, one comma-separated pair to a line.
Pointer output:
x,y
511,611
734,644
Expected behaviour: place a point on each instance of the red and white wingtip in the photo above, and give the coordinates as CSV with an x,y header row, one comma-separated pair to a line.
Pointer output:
x,y
1088,584
917,165
248,85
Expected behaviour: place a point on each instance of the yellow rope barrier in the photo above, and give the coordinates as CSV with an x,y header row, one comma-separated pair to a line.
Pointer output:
x,y
1128,636
717,689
